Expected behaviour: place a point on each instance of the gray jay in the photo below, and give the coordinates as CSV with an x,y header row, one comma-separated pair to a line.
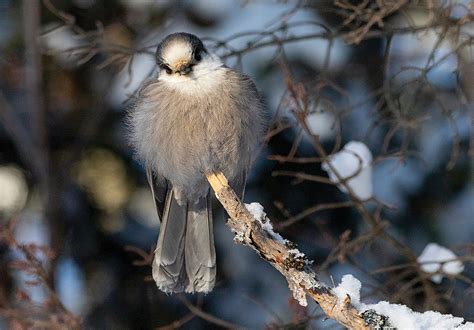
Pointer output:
x,y
196,117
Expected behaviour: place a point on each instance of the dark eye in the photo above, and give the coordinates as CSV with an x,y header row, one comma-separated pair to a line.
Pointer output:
x,y
197,56
166,68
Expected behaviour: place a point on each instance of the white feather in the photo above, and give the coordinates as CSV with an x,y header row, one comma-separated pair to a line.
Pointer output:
x,y
176,51
205,75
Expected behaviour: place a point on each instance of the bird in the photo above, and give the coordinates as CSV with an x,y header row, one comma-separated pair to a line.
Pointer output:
x,y
197,116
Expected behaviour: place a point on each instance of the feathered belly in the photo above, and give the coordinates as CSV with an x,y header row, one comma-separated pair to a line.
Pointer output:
x,y
187,140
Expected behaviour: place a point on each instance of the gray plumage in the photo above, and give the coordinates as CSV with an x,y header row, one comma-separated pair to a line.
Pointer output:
x,y
197,117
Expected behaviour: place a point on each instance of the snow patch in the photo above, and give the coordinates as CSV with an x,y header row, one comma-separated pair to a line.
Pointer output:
x,y
437,259
256,210
322,124
354,161
400,316
349,286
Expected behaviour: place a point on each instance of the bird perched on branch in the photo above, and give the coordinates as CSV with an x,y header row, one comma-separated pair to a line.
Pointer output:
x,y
197,117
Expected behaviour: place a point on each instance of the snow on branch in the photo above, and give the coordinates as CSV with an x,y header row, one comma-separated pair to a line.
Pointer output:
x,y
253,228
399,316
342,304
439,261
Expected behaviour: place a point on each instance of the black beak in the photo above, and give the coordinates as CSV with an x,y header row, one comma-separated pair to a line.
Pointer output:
x,y
184,69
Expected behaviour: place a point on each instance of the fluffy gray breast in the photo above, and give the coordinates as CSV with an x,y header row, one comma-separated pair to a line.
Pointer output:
x,y
183,134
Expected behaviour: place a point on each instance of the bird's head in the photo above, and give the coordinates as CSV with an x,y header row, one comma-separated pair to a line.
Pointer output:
x,y
178,53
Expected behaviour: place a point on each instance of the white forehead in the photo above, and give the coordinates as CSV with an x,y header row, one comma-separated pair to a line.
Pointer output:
x,y
177,50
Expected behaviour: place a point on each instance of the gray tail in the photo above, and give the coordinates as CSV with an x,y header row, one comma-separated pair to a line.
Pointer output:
x,y
185,258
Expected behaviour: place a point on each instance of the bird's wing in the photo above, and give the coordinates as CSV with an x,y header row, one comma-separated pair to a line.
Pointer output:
x,y
256,120
159,187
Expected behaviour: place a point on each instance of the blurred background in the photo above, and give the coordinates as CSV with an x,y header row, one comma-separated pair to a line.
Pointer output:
x,y
76,214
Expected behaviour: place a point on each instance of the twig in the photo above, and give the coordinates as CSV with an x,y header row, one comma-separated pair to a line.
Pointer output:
x,y
309,211
206,316
177,324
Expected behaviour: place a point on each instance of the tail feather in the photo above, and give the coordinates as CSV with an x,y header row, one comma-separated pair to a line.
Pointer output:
x,y
169,272
185,257
200,254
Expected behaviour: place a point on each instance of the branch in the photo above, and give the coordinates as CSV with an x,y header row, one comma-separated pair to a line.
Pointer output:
x,y
252,228
256,232
34,81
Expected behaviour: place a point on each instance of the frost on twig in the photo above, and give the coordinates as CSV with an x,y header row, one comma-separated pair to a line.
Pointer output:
x,y
252,228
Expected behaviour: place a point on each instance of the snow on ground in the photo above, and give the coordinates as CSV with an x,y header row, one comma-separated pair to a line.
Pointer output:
x,y
400,316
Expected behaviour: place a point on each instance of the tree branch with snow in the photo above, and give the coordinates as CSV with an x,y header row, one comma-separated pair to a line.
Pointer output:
x,y
342,304
252,228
